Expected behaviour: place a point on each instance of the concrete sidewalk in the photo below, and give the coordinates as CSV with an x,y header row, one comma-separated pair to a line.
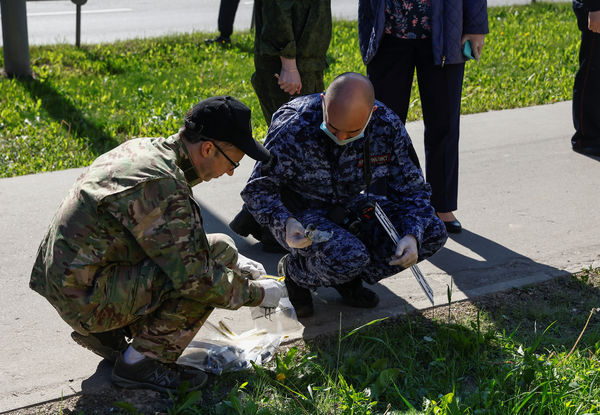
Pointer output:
x,y
528,203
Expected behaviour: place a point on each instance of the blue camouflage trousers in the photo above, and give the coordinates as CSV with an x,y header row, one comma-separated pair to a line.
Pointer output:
x,y
345,256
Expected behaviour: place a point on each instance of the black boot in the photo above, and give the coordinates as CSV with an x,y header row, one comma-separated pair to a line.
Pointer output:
x,y
244,224
355,295
300,297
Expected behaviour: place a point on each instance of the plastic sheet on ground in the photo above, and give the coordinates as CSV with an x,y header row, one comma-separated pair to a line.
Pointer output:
x,y
217,348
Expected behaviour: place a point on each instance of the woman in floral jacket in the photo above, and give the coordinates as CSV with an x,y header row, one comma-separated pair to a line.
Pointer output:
x,y
397,36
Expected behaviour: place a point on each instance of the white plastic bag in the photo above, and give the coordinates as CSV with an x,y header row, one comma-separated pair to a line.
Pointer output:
x,y
218,349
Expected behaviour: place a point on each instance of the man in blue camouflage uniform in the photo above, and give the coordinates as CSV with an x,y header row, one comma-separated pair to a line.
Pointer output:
x,y
317,175
292,38
126,254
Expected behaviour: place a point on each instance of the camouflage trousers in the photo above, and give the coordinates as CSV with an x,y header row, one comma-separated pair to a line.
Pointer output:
x,y
271,96
345,256
162,321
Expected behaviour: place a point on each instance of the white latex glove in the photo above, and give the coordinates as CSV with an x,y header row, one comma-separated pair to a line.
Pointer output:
x,y
249,268
295,234
274,290
406,254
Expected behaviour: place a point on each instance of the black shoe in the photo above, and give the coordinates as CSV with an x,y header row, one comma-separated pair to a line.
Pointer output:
x,y
300,297
153,374
244,224
355,295
219,40
453,226
108,345
588,150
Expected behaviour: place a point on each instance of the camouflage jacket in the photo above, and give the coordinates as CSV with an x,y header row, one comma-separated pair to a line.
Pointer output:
x,y
298,29
322,174
133,203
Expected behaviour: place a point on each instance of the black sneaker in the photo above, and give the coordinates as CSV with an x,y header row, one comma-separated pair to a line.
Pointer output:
x,y
355,295
300,297
219,40
153,374
108,345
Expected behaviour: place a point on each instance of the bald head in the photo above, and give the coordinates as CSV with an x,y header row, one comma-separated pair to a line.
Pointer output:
x,y
350,89
348,103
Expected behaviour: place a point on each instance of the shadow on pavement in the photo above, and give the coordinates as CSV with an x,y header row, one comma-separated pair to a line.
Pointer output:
x,y
496,263
528,296
100,380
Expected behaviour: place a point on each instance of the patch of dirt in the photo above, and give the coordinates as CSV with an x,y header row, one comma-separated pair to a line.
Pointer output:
x,y
532,306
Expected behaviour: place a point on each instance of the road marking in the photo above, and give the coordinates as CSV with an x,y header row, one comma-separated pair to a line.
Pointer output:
x,y
83,12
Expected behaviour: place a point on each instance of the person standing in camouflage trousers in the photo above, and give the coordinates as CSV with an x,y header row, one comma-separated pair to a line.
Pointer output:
x,y
126,255
290,44
332,157
291,41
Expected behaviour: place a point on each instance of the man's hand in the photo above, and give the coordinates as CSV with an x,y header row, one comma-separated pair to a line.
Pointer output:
x,y
295,234
406,254
477,42
289,78
249,268
594,21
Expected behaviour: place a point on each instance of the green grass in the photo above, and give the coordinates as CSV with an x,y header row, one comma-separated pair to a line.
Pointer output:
x,y
86,101
481,358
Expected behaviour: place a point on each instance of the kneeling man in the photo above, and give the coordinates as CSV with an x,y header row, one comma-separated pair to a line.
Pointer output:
x,y
126,255
333,156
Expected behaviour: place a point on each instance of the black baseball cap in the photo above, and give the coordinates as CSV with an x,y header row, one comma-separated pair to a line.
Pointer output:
x,y
224,118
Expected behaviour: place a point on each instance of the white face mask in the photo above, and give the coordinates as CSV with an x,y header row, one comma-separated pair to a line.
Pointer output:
x,y
347,140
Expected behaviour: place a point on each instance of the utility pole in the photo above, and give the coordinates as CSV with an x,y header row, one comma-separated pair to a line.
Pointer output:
x,y
14,38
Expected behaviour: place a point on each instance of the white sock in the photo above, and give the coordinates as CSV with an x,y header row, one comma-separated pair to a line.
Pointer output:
x,y
132,356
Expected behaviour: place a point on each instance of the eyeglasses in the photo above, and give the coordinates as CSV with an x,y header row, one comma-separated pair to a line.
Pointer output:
x,y
235,164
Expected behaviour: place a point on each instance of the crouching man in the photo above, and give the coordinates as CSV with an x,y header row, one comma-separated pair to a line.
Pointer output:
x,y
333,156
126,255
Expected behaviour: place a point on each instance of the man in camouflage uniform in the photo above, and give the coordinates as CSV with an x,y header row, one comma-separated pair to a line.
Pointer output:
x,y
126,254
290,44
332,155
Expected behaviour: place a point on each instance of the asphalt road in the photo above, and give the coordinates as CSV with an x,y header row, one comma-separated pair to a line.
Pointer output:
x,y
109,20
52,22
